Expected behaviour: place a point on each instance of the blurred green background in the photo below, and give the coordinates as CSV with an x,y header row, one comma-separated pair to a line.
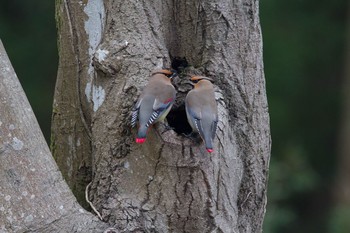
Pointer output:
x,y
305,67
28,32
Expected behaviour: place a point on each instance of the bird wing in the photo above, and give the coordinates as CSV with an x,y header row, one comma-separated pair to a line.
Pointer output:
x,y
135,112
162,103
195,116
213,128
159,108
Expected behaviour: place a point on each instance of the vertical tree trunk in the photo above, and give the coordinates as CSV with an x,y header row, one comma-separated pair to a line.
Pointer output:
x,y
33,194
168,184
70,140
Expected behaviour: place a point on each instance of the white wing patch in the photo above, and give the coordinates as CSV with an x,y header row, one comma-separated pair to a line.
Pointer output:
x,y
154,116
134,118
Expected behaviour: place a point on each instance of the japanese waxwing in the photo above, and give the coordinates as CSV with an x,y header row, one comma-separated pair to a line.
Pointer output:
x,y
201,110
154,102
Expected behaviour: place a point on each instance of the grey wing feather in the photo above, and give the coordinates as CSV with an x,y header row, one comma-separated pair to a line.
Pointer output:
x,y
198,124
214,126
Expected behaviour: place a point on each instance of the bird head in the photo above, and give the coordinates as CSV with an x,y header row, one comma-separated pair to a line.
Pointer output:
x,y
167,72
198,81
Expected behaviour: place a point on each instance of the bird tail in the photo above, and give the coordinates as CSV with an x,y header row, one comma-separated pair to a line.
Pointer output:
x,y
208,144
141,134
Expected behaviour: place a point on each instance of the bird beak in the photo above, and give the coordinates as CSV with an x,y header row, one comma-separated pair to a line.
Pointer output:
x,y
174,74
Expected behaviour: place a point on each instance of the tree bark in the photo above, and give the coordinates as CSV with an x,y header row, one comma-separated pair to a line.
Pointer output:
x,y
169,184
33,195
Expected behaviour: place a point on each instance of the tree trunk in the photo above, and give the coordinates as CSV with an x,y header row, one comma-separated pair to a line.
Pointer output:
x,y
169,184
33,195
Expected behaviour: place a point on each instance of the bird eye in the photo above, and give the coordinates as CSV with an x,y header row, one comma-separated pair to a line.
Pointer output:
x,y
195,81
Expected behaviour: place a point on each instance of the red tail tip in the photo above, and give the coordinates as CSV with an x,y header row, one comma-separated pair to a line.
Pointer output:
x,y
140,140
210,150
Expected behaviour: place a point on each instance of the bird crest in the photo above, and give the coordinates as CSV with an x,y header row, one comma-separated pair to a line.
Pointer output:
x,y
196,79
167,72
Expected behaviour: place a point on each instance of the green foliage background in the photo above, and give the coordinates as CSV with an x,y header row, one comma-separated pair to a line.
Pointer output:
x,y
28,32
304,56
304,60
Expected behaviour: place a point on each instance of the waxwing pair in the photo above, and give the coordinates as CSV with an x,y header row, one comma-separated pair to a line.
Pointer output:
x,y
158,96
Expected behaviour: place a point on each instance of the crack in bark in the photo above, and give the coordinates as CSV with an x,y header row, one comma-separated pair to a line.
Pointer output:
x,y
211,218
144,202
218,188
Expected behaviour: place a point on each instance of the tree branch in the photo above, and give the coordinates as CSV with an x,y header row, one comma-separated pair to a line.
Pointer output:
x,y
33,195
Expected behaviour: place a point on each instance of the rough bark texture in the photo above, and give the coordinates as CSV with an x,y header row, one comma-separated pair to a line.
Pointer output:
x,y
70,143
33,195
170,183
